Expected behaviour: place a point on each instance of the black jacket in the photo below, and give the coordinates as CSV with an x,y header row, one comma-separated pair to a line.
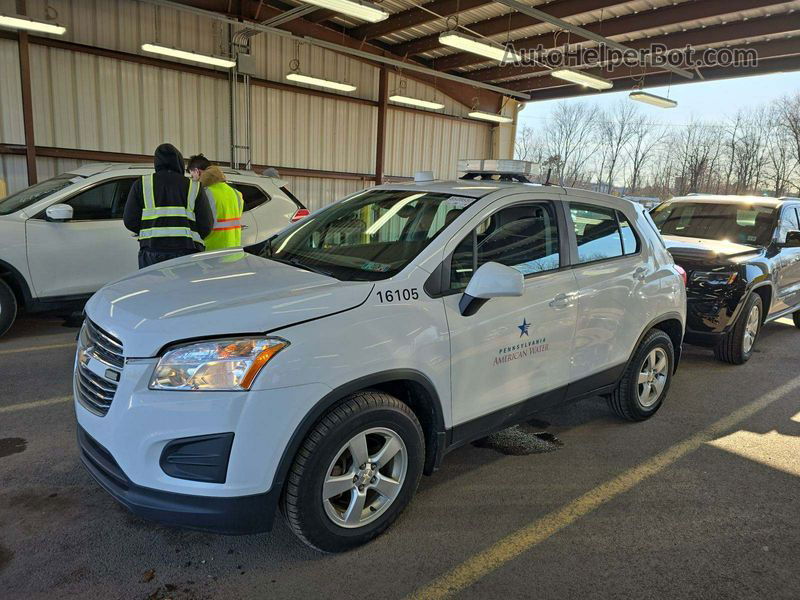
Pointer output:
x,y
169,182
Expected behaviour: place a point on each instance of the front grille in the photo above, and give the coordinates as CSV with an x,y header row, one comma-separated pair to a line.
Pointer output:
x,y
105,347
94,391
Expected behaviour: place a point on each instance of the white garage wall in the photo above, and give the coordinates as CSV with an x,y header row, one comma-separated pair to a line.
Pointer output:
x,y
88,102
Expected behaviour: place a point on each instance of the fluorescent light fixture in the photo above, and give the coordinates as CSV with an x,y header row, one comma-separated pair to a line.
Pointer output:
x,y
192,56
476,114
467,43
416,102
354,8
334,85
583,78
29,25
658,101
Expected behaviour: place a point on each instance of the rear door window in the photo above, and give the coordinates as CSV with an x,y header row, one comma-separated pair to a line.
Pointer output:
x,y
596,231
253,195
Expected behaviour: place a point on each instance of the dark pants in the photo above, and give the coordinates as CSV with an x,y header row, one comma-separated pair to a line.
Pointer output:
x,y
148,256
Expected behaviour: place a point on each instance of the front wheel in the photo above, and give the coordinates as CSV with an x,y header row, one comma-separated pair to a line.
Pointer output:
x,y
355,472
646,380
8,307
736,346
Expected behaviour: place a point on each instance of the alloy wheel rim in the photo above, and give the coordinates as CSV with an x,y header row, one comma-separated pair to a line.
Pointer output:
x,y
653,376
365,477
751,329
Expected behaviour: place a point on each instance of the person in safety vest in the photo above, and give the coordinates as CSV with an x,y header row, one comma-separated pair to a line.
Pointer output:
x,y
197,164
169,212
227,206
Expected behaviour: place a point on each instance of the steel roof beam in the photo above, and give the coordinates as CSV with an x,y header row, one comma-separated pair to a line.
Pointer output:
x,y
686,12
732,32
502,24
543,16
415,16
766,50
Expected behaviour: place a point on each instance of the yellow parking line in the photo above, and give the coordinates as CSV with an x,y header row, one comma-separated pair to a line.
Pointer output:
x,y
34,404
35,348
514,544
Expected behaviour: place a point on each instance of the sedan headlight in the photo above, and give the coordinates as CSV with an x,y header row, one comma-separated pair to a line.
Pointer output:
x,y
716,278
218,365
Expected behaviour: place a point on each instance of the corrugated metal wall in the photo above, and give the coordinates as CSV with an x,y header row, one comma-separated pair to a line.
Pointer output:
x,y
88,102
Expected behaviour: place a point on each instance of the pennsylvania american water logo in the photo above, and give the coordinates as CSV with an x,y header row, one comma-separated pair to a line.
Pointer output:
x,y
526,349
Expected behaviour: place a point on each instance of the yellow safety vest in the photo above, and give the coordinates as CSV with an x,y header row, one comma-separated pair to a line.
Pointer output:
x,y
168,221
227,205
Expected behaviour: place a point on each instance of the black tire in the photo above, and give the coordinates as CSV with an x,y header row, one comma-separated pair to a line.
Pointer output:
x,y
731,348
8,307
302,501
796,318
625,400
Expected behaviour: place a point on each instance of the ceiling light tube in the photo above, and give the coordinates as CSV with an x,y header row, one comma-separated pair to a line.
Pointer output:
x,y
583,78
416,102
652,99
192,56
365,11
490,117
17,22
334,85
467,43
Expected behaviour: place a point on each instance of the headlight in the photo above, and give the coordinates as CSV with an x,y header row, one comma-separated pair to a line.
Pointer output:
x,y
218,365
713,277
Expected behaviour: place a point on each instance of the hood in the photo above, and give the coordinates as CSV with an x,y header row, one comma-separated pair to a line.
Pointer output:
x,y
212,175
215,294
168,158
707,252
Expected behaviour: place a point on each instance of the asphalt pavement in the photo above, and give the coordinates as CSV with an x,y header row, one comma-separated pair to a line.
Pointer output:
x,y
701,501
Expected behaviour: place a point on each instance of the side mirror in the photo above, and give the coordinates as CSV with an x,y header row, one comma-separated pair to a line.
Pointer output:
x,y
59,212
491,280
792,239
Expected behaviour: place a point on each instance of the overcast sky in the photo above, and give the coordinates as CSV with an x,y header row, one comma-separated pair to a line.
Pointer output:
x,y
704,100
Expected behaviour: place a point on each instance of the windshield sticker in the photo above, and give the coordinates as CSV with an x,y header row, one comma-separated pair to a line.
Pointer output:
x,y
375,267
459,202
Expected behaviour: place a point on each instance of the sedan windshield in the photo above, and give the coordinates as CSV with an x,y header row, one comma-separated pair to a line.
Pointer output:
x,y
33,194
369,236
747,224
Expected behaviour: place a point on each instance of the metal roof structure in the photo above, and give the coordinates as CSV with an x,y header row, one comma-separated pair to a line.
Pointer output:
x,y
410,35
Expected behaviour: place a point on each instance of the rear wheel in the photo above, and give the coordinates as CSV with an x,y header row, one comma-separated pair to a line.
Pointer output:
x,y
355,472
646,380
8,307
736,346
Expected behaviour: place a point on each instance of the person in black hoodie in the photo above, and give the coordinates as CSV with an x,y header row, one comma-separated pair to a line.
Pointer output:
x,y
169,212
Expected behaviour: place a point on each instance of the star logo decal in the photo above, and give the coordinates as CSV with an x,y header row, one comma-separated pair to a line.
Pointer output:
x,y
523,328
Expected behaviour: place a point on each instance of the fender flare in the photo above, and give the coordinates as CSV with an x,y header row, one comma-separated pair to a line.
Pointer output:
x,y
660,319
336,395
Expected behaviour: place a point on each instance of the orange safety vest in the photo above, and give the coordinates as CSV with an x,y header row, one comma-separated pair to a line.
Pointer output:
x,y
227,205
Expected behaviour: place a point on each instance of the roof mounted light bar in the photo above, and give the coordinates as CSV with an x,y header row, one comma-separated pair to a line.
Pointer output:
x,y
498,169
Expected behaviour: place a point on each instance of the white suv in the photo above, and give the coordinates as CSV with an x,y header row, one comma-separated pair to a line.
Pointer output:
x,y
63,239
372,338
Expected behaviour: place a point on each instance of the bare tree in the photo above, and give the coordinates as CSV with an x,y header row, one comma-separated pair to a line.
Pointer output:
x,y
527,146
645,139
617,128
569,139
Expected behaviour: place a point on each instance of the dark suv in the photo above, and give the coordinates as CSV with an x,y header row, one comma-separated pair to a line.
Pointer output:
x,y
742,257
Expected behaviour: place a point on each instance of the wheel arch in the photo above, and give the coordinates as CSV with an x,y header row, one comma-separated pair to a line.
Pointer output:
x,y
407,385
16,281
672,325
766,293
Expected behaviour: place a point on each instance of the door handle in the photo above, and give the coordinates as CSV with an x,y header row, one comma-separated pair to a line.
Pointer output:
x,y
560,301
640,273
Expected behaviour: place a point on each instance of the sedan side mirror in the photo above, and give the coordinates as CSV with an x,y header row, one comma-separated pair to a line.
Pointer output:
x,y
491,280
59,212
792,239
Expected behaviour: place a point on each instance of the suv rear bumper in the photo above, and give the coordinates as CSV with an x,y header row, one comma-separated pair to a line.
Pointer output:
x,y
229,515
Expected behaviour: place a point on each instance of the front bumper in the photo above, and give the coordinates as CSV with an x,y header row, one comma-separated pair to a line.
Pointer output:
x,y
230,515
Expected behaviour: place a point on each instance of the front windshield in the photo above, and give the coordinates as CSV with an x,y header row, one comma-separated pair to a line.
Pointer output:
x,y
369,236
34,193
747,224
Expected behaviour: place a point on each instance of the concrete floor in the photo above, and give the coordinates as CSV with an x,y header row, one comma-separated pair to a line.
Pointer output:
x,y
716,520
